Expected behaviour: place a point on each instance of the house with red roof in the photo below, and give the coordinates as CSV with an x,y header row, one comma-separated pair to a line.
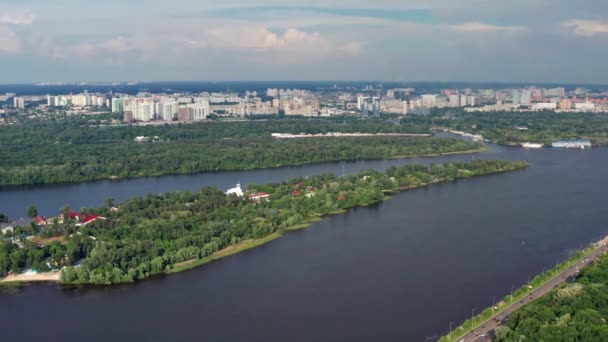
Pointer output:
x,y
72,215
40,221
90,218
259,196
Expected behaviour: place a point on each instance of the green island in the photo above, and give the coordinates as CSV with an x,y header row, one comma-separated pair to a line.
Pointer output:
x,y
514,128
76,152
164,233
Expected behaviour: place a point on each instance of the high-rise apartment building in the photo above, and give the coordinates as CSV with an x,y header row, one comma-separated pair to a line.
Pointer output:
x,y
526,97
117,105
429,100
19,102
516,96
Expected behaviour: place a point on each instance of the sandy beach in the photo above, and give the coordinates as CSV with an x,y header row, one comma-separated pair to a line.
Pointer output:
x,y
29,277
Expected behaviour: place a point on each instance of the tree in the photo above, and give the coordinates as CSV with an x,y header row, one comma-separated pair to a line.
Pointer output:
x,y
3,218
502,332
32,211
65,211
109,202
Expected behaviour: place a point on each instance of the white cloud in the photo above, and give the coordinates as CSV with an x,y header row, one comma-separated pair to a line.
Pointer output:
x,y
262,39
586,28
9,42
17,19
292,46
114,45
351,48
476,26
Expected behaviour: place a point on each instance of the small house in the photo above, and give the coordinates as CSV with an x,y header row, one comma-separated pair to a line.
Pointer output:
x,y
6,228
258,196
40,221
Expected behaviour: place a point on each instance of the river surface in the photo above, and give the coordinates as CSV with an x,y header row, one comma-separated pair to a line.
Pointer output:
x,y
399,271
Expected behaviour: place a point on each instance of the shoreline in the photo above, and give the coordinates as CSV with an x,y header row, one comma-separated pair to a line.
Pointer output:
x,y
507,302
348,135
483,149
27,278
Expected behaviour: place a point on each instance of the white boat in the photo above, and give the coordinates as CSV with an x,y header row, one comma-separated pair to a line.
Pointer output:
x,y
532,145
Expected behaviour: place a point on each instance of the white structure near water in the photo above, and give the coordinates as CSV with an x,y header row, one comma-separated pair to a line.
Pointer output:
x,y
572,143
237,190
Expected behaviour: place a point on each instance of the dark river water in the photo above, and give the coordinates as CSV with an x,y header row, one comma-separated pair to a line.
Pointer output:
x,y
399,271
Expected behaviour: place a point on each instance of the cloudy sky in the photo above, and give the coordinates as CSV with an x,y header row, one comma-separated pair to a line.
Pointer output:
x,y
392,40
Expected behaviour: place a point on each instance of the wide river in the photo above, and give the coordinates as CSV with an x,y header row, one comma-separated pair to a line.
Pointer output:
x,y
399,271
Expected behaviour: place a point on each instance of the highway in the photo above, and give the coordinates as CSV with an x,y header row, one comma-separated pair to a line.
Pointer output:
x,y
484,332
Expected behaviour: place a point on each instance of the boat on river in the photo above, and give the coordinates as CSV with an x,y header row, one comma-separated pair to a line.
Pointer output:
x,y
532,145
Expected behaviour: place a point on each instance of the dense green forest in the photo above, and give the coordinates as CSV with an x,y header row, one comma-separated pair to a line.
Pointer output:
x,y
58,154
576,311
79,131
541,127
151,234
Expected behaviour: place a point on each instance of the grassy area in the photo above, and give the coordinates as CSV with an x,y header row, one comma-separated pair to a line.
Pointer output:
x,y
46,241
489,313
243,246
441,154
303,225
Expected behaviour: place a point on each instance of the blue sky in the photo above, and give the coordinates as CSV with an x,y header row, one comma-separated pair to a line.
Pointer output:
x,y
559,41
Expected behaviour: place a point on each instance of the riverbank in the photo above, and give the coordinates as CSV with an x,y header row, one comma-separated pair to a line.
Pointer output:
x,y
249,244
345,135
479,150
483,324
228,251
31,277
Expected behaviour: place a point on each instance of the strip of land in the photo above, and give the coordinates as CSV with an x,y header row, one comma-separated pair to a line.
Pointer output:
x,y
160,233
345,135
483,331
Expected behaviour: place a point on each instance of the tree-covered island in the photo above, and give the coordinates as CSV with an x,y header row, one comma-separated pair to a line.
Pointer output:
x,y
64,152
162,233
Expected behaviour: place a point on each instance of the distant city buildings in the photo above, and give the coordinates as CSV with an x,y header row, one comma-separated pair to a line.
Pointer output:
x,y
367,101
544,106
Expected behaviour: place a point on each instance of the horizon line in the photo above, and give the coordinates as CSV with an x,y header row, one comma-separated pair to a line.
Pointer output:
x,y
109,83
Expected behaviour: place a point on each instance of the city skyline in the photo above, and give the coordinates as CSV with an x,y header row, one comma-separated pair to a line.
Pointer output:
x,y
476,41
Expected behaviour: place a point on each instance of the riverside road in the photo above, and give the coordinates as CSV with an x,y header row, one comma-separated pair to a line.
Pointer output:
x,y
484,332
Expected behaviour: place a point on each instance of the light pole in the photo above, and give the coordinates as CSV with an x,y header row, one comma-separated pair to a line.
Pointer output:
x,y
472,319
450,332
